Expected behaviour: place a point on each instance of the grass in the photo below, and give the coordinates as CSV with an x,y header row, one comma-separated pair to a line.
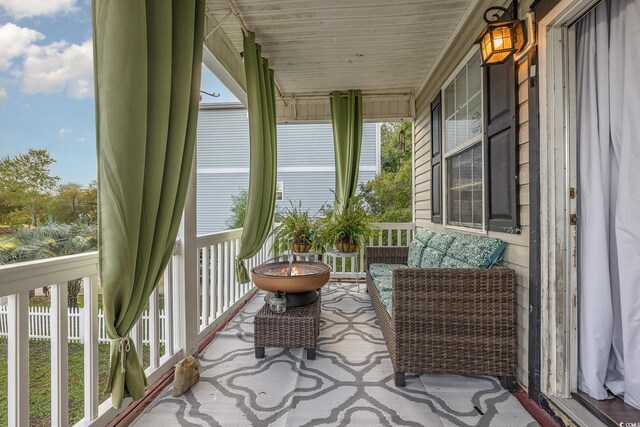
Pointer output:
x,y
40,380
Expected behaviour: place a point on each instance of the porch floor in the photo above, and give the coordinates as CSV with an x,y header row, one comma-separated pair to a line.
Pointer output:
x,y
349,383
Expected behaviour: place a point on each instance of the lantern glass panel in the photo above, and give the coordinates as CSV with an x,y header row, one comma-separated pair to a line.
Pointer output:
x,y
502,38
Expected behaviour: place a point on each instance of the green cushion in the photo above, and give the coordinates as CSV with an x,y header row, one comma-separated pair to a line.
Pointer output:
x,y
441,241
476,251
425,234
431,258
450,262
383,283
416,247
386,298
381,269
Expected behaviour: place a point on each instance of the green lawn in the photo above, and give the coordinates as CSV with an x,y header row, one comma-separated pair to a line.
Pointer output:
x,y
40,380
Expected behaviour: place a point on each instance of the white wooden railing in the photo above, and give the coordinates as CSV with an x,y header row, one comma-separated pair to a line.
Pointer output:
x,y
216,296
386,234
218,293
218,288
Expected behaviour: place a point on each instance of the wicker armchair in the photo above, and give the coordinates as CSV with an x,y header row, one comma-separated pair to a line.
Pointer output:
x,y
458,321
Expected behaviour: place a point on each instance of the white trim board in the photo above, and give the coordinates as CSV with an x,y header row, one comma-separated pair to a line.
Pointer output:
x,y
558,281
225,77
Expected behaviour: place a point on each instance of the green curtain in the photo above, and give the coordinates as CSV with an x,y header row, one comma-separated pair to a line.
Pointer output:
x,y
263,154
346,118
147,65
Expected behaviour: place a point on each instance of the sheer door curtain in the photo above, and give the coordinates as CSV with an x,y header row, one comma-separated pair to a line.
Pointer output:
x,y
608,113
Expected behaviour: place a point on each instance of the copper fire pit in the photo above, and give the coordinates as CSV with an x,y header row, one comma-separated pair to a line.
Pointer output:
x,y
297,277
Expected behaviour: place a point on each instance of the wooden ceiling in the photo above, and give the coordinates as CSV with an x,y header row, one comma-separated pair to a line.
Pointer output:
x,y
316,46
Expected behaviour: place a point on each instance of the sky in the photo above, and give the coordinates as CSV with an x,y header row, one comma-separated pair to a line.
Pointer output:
x,y
46,84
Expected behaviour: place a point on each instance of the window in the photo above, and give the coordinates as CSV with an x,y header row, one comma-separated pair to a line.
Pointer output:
x,y
279,191
463,146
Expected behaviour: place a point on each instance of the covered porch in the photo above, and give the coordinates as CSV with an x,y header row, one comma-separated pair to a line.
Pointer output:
x,y
396,53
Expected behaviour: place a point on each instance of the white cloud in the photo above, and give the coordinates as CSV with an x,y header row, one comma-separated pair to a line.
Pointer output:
x,y
63,132
3,96
82,139
59,67
30,8
14,42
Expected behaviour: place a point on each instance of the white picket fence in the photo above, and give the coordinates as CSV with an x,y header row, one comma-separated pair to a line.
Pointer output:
x,y
40,321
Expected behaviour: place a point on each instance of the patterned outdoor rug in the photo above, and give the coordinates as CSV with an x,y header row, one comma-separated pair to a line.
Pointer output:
x,y
349,384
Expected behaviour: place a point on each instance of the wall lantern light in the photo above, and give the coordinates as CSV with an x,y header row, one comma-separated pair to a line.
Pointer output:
x,y
503,35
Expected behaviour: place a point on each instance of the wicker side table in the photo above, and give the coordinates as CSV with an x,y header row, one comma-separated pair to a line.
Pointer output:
x,y
296,327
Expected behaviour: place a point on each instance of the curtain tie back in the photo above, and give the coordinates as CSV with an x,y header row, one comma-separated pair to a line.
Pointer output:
x,y
124,346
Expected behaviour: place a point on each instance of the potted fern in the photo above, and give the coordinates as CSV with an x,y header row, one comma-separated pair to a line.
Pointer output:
x,y
347,228
296,232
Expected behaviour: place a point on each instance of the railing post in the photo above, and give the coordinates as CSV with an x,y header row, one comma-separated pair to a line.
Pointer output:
x,y
91,337
18,360
204,300
154,330
189,318
59,333
168,299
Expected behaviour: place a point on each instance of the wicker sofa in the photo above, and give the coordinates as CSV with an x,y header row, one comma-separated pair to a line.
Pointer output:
x,y
444,306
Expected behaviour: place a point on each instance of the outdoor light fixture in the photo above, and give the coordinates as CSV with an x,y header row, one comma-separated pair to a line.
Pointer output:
x,y
502,37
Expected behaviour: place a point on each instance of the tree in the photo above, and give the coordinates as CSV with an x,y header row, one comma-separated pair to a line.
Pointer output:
x,y
238,209
48,241
389,194
27,180
392,156
73,203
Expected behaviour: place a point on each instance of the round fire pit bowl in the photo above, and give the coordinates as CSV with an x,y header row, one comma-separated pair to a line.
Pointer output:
x,y
298,280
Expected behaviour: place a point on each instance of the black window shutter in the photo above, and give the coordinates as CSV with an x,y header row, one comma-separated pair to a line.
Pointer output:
x,y
436,161
501,147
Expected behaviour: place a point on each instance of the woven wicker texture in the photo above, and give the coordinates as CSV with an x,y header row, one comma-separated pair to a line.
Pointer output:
x,y
296,327
448,320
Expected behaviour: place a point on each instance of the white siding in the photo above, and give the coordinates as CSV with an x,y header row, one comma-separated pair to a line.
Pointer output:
x,y
305,163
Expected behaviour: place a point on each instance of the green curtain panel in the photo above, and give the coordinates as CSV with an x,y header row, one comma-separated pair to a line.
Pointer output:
x,y
263,151
346,118
147,65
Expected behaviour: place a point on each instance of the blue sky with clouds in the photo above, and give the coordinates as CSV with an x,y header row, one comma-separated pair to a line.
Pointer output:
x,y
46,84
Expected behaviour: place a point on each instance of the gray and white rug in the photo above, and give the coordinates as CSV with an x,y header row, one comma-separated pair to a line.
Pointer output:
x,y
349,384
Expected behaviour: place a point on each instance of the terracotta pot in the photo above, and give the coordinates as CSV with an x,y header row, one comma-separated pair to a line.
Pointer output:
x,y
347,247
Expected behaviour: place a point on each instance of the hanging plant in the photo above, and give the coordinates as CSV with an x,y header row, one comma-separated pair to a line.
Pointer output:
x,y
347,228
297,231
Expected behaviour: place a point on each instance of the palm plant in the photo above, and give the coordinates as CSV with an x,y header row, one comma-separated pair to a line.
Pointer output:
x,y
48,241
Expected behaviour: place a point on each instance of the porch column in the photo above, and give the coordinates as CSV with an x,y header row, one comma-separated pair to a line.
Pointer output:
x,y
188,271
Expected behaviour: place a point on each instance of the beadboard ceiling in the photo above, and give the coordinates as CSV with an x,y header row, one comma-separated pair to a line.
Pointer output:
x,y
316,46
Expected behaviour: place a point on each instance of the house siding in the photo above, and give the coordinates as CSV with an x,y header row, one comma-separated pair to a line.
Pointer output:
x,y
517,252
305,163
